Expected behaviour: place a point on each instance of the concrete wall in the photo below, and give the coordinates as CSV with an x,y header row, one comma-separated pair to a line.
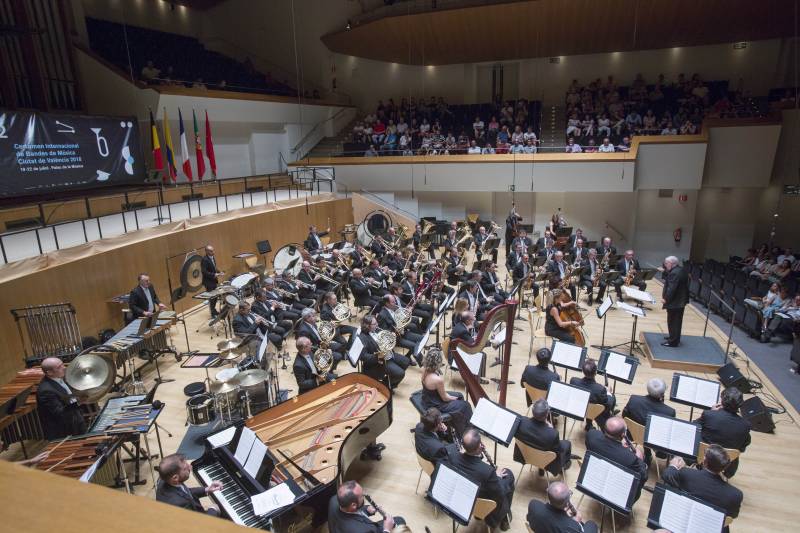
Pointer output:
x,y
741,156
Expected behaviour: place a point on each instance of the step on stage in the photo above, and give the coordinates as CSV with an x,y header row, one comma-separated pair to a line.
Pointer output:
x,y
695,353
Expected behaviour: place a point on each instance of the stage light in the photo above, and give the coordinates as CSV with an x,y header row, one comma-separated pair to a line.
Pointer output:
x,y
349,26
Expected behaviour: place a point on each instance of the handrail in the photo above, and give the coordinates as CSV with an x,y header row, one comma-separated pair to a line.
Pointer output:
x,y
305,137
618,232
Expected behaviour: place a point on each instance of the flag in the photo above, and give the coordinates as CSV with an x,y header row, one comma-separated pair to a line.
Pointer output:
x,y
186,163
212,161
173,170
158,159
198,149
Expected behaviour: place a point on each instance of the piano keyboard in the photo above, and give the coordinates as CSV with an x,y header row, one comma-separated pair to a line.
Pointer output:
x,y
232,498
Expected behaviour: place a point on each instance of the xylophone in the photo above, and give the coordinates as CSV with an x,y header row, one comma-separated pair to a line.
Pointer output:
x,y
22,423
88,458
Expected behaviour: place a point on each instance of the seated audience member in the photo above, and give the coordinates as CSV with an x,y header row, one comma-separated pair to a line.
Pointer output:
x,y
598,392
611,444
707,483
724,426
556,516
539,433
371,151
573,147
785,321
606,147
625,145
473,148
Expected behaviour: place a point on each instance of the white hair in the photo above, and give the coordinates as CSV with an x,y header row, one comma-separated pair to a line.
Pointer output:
x,y
307,312
672,260
656,388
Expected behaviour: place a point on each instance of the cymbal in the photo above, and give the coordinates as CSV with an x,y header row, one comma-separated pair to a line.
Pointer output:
x,y
248,378
221,387
87,372
228,344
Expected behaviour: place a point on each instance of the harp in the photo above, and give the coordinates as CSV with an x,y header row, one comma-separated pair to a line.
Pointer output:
x,y
501,313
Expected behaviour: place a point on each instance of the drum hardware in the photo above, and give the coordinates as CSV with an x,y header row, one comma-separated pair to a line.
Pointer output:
x,y
290,258
227,400
200,410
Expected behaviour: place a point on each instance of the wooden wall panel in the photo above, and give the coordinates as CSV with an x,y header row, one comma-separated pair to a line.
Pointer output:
x,y
90,282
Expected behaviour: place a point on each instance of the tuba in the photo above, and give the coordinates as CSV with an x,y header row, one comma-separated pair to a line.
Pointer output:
x,y
427,226
386,341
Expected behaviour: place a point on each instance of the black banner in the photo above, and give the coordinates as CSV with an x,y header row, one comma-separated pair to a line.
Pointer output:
x,y
42,153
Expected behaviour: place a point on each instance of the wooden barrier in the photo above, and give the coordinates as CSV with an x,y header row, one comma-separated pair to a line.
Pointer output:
x,y
90,280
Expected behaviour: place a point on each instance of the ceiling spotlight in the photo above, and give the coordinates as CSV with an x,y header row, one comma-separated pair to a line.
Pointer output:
x,y
349,26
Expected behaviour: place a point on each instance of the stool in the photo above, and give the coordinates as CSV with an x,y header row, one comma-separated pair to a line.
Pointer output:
x,y
195,388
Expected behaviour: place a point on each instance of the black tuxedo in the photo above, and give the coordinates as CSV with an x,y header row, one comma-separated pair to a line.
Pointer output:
x,y
488,284
429,446
525,242
521,270
707,486
304,374
137,301
623,267
304,329
511,222
490,485
341,522
574,238
639,407
292,311
302,301
538,377
326,313
460,331
58,413
421,310
597,394
409,340
602,250
587,279
544,518
676,296
543,437
183,497
546,252
729,430
264,310
362,293
311,244
513,260
416,239
377,248
601,444
579,255
556,277
247,325
378,275
389,371
208,267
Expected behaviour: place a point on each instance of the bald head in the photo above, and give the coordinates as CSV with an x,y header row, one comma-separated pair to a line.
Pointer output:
x,y
615,427
471,441
558,494
53,367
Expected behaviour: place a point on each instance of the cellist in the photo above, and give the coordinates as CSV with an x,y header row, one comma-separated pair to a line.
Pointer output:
x,y
563,319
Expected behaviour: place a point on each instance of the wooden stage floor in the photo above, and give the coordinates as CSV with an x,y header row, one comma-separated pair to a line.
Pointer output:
x,y
766,474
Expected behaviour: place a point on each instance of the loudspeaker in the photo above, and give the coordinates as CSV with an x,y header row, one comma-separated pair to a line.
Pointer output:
x,y
264,247
756,413
730,376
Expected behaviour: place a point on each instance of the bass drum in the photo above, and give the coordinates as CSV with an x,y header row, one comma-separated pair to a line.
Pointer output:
x,y
375,223
290,258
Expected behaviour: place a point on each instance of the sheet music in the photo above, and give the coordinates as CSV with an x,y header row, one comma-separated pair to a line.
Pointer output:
x,y
262,348
697,391
256,457
607,481
473,361
671,434
604,307
636,294
355,350
274,498
222,438
244,445
567,355
422,342
499,337
454,491
618,366
568,399
638,311
493,419
680,514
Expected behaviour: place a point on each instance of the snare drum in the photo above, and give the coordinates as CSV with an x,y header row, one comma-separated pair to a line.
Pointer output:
x,y
200,409
229,400
247,363
231,300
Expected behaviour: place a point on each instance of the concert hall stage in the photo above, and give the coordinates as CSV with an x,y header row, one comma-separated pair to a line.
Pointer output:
x,y
695,353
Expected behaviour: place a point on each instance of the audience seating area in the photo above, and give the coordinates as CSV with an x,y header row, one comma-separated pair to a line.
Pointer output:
x,y
606,110
437,128
745,290
168,59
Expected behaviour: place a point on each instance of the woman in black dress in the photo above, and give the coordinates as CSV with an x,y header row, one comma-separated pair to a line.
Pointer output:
x,y
434,394
553,325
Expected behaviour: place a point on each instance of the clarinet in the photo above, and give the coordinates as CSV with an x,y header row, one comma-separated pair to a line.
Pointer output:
x,y
455,437
375,505
488,457
571,511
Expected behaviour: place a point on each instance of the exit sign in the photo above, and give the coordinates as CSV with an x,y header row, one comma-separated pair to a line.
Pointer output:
x,y
741,45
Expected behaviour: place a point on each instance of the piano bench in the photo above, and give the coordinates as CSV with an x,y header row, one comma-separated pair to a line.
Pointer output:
x,y
416,401
195,388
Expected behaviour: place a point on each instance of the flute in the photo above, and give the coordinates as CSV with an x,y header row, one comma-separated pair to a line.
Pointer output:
x,y
375,505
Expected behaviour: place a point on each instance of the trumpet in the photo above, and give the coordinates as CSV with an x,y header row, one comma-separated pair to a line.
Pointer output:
x,y
304,285
286,294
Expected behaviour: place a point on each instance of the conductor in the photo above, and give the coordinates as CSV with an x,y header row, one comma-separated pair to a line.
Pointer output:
x,y
674,297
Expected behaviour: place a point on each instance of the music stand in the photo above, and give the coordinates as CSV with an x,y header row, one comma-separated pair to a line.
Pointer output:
x,y
680,510
568,356
498,423
635,312
694,392
602,311
453,493
568,400
618,367
564,231
683,438
599,487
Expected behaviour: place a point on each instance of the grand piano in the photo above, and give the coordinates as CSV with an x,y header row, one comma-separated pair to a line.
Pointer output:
x,y
311,441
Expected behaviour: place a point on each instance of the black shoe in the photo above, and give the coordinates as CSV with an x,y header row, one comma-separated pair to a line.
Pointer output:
x,y
567,465
588,426
419,360
666,337
668,344
505,525
764,338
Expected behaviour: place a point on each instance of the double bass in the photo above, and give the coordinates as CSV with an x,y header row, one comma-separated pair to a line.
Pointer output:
x,y
571,314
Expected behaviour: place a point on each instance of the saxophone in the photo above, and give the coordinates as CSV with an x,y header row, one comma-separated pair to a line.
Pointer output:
x,y
630,275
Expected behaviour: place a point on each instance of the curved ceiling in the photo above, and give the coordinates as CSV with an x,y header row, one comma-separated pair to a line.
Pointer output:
x,y
542,28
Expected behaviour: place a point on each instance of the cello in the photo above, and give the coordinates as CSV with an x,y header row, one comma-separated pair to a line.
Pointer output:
x,y
571,314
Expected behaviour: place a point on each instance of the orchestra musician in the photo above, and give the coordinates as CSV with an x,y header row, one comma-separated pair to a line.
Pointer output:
x,y
269,310
606,247
515,257
430,436
455,270
512,220
143,300
379,274
708,483
361,289
407,339
624,266
313,242
598,393
357,257
491,285
474,305
304,369
58,406
394,262
548,251
247,323
422,310
523,240
308,328
639,407
493,484
435,395
173,471
611,444
310,290
322,284
539,433
396,290
486,300
554,326
541,242
522,271
539,376
450,241
481,237
557,221
377,247
211,275
390,368
573,239
558,515
416,237
288,309
329,302
348,514
579,252
593,270
558,270
724,425
288,284
674,298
